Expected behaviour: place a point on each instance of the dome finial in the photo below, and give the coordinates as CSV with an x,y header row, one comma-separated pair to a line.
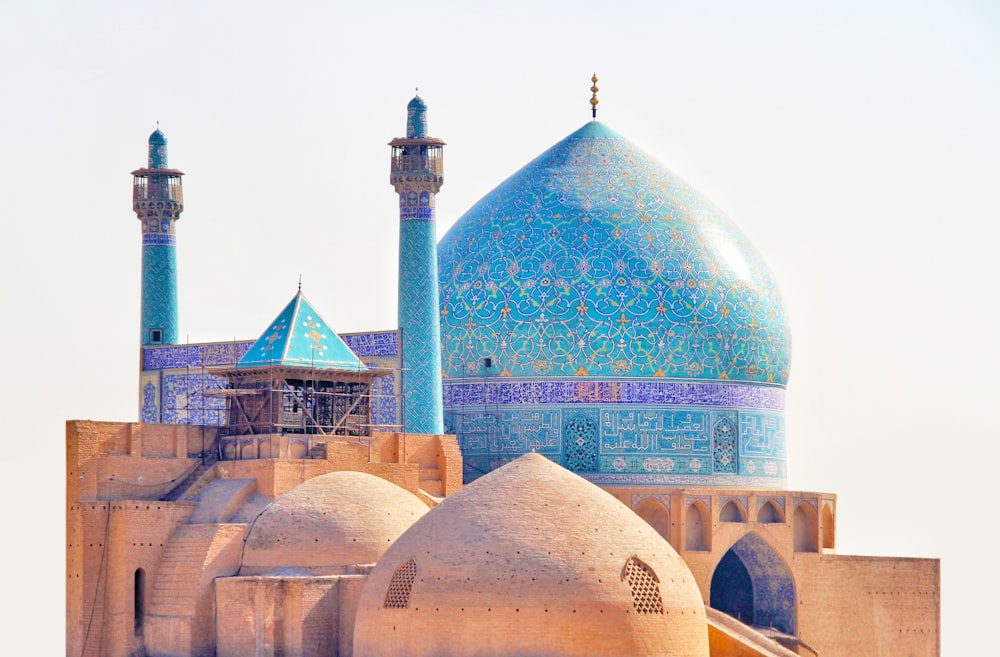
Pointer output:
x,y
593,96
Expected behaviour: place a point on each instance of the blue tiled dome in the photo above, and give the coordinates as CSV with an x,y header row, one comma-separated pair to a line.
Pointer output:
x,y
598,310
596,260
417,103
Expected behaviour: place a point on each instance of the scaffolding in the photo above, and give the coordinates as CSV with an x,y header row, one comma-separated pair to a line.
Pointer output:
x,y
297,400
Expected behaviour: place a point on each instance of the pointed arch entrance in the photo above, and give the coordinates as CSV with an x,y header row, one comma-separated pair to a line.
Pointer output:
x,y
752,583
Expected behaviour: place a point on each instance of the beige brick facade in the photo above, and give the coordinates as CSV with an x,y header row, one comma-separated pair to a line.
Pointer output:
x,y
153,571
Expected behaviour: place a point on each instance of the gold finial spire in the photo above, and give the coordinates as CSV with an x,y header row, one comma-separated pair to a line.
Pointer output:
x,y
593,97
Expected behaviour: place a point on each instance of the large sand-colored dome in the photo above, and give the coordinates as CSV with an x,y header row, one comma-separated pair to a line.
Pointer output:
x,y
531,560
328,523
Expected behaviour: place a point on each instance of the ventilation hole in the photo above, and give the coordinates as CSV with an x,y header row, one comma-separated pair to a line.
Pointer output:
x,y
398,595
645,589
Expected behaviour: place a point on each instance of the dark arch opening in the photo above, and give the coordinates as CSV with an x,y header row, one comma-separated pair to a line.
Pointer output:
x,y
732,588
752,583
139,599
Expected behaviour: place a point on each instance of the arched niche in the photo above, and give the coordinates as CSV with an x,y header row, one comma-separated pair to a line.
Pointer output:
x,y
829,528
770,513
696,527
658,516
732,512
805,528
752,583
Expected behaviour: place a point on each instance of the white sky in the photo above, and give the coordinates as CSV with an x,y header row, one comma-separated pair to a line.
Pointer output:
x,y
856,144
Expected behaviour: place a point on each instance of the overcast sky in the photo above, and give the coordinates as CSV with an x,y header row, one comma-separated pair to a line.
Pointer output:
x,y
855,143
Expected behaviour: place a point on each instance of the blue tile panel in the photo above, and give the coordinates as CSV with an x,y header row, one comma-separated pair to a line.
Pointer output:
x,y
366,345
588,391
723,438
195,355
385,411
419,325
185,403
149,397
300,337
594,259
159,291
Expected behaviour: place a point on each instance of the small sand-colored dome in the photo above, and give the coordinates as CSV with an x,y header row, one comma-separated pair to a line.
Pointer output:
x,y
531,559
328,523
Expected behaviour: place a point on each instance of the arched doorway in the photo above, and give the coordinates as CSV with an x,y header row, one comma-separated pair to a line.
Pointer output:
x,y
752,583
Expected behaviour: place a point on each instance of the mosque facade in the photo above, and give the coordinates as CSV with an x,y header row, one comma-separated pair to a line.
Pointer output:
x,y
592,361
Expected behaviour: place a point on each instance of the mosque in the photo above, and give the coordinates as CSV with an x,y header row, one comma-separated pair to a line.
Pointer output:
x,y
572,445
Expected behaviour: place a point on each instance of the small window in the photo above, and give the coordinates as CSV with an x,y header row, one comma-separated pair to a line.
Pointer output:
x,y
156,336
398,595
645,587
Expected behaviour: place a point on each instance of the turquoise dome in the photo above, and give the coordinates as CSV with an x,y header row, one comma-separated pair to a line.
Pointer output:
x,y
596,260
157,138
417,103
598,310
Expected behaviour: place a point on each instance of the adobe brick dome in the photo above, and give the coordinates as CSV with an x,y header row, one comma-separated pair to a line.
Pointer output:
x,y
328,523
531,559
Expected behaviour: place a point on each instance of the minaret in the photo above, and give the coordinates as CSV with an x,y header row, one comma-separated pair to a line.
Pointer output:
x,y
158,200
417,173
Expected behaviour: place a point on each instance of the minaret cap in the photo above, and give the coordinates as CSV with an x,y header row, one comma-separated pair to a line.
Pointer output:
x,y
157,149
593,96
416,118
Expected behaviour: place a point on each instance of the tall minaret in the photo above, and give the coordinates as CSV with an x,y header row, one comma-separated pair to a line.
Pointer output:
x,y
158,200
417,173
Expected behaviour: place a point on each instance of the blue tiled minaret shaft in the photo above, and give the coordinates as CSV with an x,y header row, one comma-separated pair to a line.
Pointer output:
x,y
417,173
158,200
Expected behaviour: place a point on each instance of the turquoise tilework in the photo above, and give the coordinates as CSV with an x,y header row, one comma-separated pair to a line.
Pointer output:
x,y
420,327
595,259
159,292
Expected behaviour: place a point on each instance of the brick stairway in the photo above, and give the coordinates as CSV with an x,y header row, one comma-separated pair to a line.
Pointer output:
x,y
180,489
430,482
179,579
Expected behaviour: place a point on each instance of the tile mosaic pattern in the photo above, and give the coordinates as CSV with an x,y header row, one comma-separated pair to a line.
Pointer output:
x,y
366,345
629,444
185,403
149,397
159,293
419,327
594,259
590,391
194,355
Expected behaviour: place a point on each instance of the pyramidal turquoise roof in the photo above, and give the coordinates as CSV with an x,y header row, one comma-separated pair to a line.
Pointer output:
x,y
299,337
